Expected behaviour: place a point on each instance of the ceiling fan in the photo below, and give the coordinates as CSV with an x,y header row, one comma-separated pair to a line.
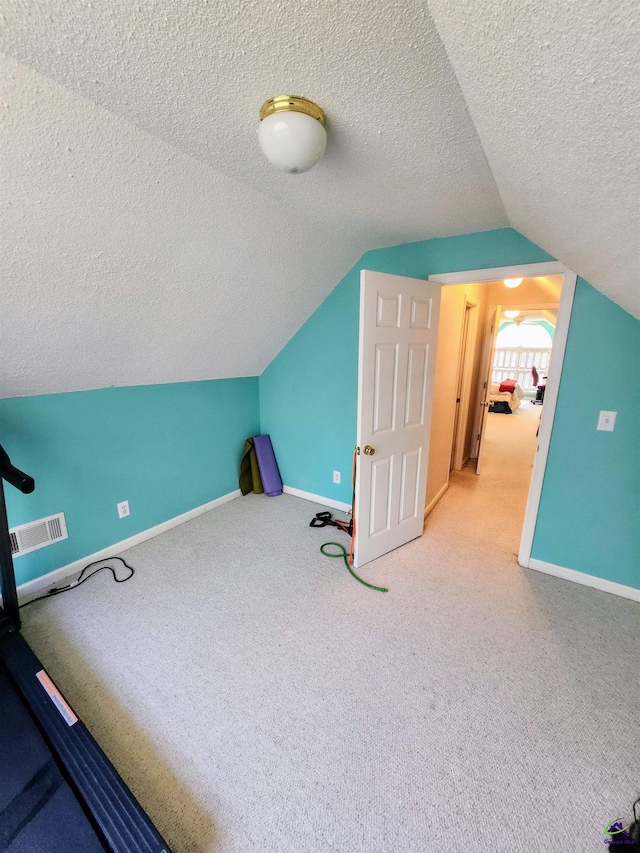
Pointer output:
x,y
512,316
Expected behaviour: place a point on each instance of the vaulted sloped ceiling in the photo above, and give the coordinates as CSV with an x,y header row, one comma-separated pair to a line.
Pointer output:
x,y
553,91
145,237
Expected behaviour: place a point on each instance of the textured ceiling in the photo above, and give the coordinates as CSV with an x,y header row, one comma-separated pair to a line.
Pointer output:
x,y
541,290
127,262
147,240
553,92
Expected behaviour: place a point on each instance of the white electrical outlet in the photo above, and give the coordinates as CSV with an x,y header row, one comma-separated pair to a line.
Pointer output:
x,y
607,421
336,476
123,509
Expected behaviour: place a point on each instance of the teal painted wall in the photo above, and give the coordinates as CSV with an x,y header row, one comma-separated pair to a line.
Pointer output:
x,y
164,448
308,405
170,448
589,517
308,396
308,393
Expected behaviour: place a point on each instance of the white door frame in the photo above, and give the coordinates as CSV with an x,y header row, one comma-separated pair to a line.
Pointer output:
x,y
565,307
484,380
465,376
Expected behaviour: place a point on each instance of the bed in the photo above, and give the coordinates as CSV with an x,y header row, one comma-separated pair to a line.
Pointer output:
x,y
511,398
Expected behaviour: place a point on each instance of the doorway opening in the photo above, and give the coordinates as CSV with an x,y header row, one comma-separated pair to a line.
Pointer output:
x,y
517,353
425,367
524,345
516,384
514,354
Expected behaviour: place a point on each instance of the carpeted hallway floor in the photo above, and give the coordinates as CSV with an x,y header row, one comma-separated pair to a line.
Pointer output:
x,y
258,699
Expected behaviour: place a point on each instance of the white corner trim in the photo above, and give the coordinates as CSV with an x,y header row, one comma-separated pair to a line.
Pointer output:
x,y
317,499
524,270
584,579
435,499
44,582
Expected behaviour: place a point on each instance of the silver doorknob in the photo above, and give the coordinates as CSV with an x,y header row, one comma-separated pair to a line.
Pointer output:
x,y
368,450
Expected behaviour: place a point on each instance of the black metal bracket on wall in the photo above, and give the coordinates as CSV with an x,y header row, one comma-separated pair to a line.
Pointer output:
x,y
9,612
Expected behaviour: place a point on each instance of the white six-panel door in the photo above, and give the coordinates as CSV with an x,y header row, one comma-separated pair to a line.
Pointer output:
x,y
398,336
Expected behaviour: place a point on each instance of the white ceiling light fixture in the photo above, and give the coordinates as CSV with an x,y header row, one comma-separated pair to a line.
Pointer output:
x,y
512,282
291,133
511,314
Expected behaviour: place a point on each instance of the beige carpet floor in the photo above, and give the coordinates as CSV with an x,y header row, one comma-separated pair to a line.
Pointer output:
x,y
256,698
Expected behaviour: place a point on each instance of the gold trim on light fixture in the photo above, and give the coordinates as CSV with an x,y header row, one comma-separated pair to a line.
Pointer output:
x,y
291,103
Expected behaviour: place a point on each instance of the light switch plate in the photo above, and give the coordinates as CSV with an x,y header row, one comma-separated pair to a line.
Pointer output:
x,y
607,421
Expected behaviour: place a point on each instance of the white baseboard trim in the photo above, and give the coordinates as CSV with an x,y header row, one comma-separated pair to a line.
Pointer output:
x,y
317,499
39,585
586,580
435,499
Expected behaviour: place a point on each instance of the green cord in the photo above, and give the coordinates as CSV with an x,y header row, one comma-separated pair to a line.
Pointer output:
x,y
343,554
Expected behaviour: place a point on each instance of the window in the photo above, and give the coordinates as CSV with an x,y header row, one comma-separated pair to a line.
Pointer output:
x,y
528,335
519,347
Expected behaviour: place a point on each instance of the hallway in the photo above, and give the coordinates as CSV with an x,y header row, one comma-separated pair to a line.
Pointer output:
x,y
490,508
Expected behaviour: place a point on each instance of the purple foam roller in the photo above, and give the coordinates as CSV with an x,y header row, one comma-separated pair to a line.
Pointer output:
x,y
271,479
